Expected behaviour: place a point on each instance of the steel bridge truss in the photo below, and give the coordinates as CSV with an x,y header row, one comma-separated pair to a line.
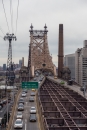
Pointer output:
x,y
40,56
62,108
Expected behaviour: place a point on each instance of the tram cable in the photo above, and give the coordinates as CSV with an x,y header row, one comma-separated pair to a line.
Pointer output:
x,y
2,30
5,16
17,17
11,13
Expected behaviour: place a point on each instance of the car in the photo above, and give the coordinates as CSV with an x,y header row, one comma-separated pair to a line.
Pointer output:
x,y
25,90
23,94
55,77
4,101
31,99
21,100
82,88
0,121
33,110
37,74
19,115
33,89
34,79
1,103
32,94
40,79
20,107
39,82
18,123
32,118
0,107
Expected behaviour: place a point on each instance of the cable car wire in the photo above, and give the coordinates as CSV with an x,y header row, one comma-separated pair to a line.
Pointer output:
x,y
5,15
17,18
11,13
2,30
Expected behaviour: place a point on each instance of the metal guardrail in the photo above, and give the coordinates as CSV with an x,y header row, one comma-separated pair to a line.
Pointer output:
x,y
13,110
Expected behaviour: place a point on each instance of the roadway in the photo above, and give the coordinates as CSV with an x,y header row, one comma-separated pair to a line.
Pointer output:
x,y
27,125
75,88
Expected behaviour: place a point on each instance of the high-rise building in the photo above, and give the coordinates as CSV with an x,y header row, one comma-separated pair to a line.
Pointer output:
x,y
4,67
81,64
69,61
20,63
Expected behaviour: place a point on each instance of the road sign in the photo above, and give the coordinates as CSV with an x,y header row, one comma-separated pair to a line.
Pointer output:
x,y
30,85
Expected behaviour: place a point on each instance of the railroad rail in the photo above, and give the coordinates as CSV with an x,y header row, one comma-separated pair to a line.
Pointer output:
x,y
61,108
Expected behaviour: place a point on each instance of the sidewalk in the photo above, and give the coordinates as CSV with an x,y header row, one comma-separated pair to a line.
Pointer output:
x,y
73,87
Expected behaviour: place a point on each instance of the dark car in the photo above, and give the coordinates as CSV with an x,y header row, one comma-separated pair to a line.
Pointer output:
x,y
32,118
40,79
21,100
4,101
0,107
32,94
82,88
70,82
31,99
1,103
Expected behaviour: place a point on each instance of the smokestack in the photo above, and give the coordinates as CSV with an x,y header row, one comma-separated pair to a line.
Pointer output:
x,y
60,50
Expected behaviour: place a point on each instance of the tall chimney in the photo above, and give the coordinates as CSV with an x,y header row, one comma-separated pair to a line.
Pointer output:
x,y
60,50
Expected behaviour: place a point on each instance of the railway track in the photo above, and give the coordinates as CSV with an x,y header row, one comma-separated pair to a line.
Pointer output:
x,y
61,108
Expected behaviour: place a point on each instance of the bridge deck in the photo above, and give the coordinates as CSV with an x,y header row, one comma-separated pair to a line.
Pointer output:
x,y
62,108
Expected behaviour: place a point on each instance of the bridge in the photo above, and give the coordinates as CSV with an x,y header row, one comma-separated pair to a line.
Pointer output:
x,y
58,107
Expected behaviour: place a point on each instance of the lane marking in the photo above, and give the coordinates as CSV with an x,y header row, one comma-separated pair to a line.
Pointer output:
x,y
25,124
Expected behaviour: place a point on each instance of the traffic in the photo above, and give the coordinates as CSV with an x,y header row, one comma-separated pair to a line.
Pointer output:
x,y
26,111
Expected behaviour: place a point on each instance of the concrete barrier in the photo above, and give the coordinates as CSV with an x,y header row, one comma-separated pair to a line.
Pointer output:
x,y
13,111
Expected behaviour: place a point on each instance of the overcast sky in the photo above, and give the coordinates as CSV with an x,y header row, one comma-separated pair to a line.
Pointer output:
x,y
71,13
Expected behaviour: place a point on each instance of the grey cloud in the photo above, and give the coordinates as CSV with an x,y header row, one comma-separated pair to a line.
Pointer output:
x,y
72,14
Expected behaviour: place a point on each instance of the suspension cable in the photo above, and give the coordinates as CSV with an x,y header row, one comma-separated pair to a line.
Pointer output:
x,y
17,17
5,15
11,13
2,30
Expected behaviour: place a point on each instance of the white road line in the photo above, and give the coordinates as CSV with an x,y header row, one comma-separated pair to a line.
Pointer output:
x,y
25,124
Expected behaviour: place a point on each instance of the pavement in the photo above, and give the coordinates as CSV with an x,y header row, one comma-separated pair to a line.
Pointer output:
x,y
27,125
75,88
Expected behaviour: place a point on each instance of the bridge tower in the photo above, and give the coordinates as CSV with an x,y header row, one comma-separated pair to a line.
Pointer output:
x,y
40,58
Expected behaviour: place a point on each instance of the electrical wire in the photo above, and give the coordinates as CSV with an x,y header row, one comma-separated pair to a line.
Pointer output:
x,y
11,13
5,16
2,30
17,18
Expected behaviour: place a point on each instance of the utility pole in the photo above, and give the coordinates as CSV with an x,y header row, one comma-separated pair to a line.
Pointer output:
x,y
10,76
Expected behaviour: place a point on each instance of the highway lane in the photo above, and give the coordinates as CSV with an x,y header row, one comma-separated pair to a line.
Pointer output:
x,y
27,124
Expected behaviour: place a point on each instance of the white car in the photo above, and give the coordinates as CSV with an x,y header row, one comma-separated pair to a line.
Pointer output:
x,y
33,110
23,94
18,123
20,107
19,115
